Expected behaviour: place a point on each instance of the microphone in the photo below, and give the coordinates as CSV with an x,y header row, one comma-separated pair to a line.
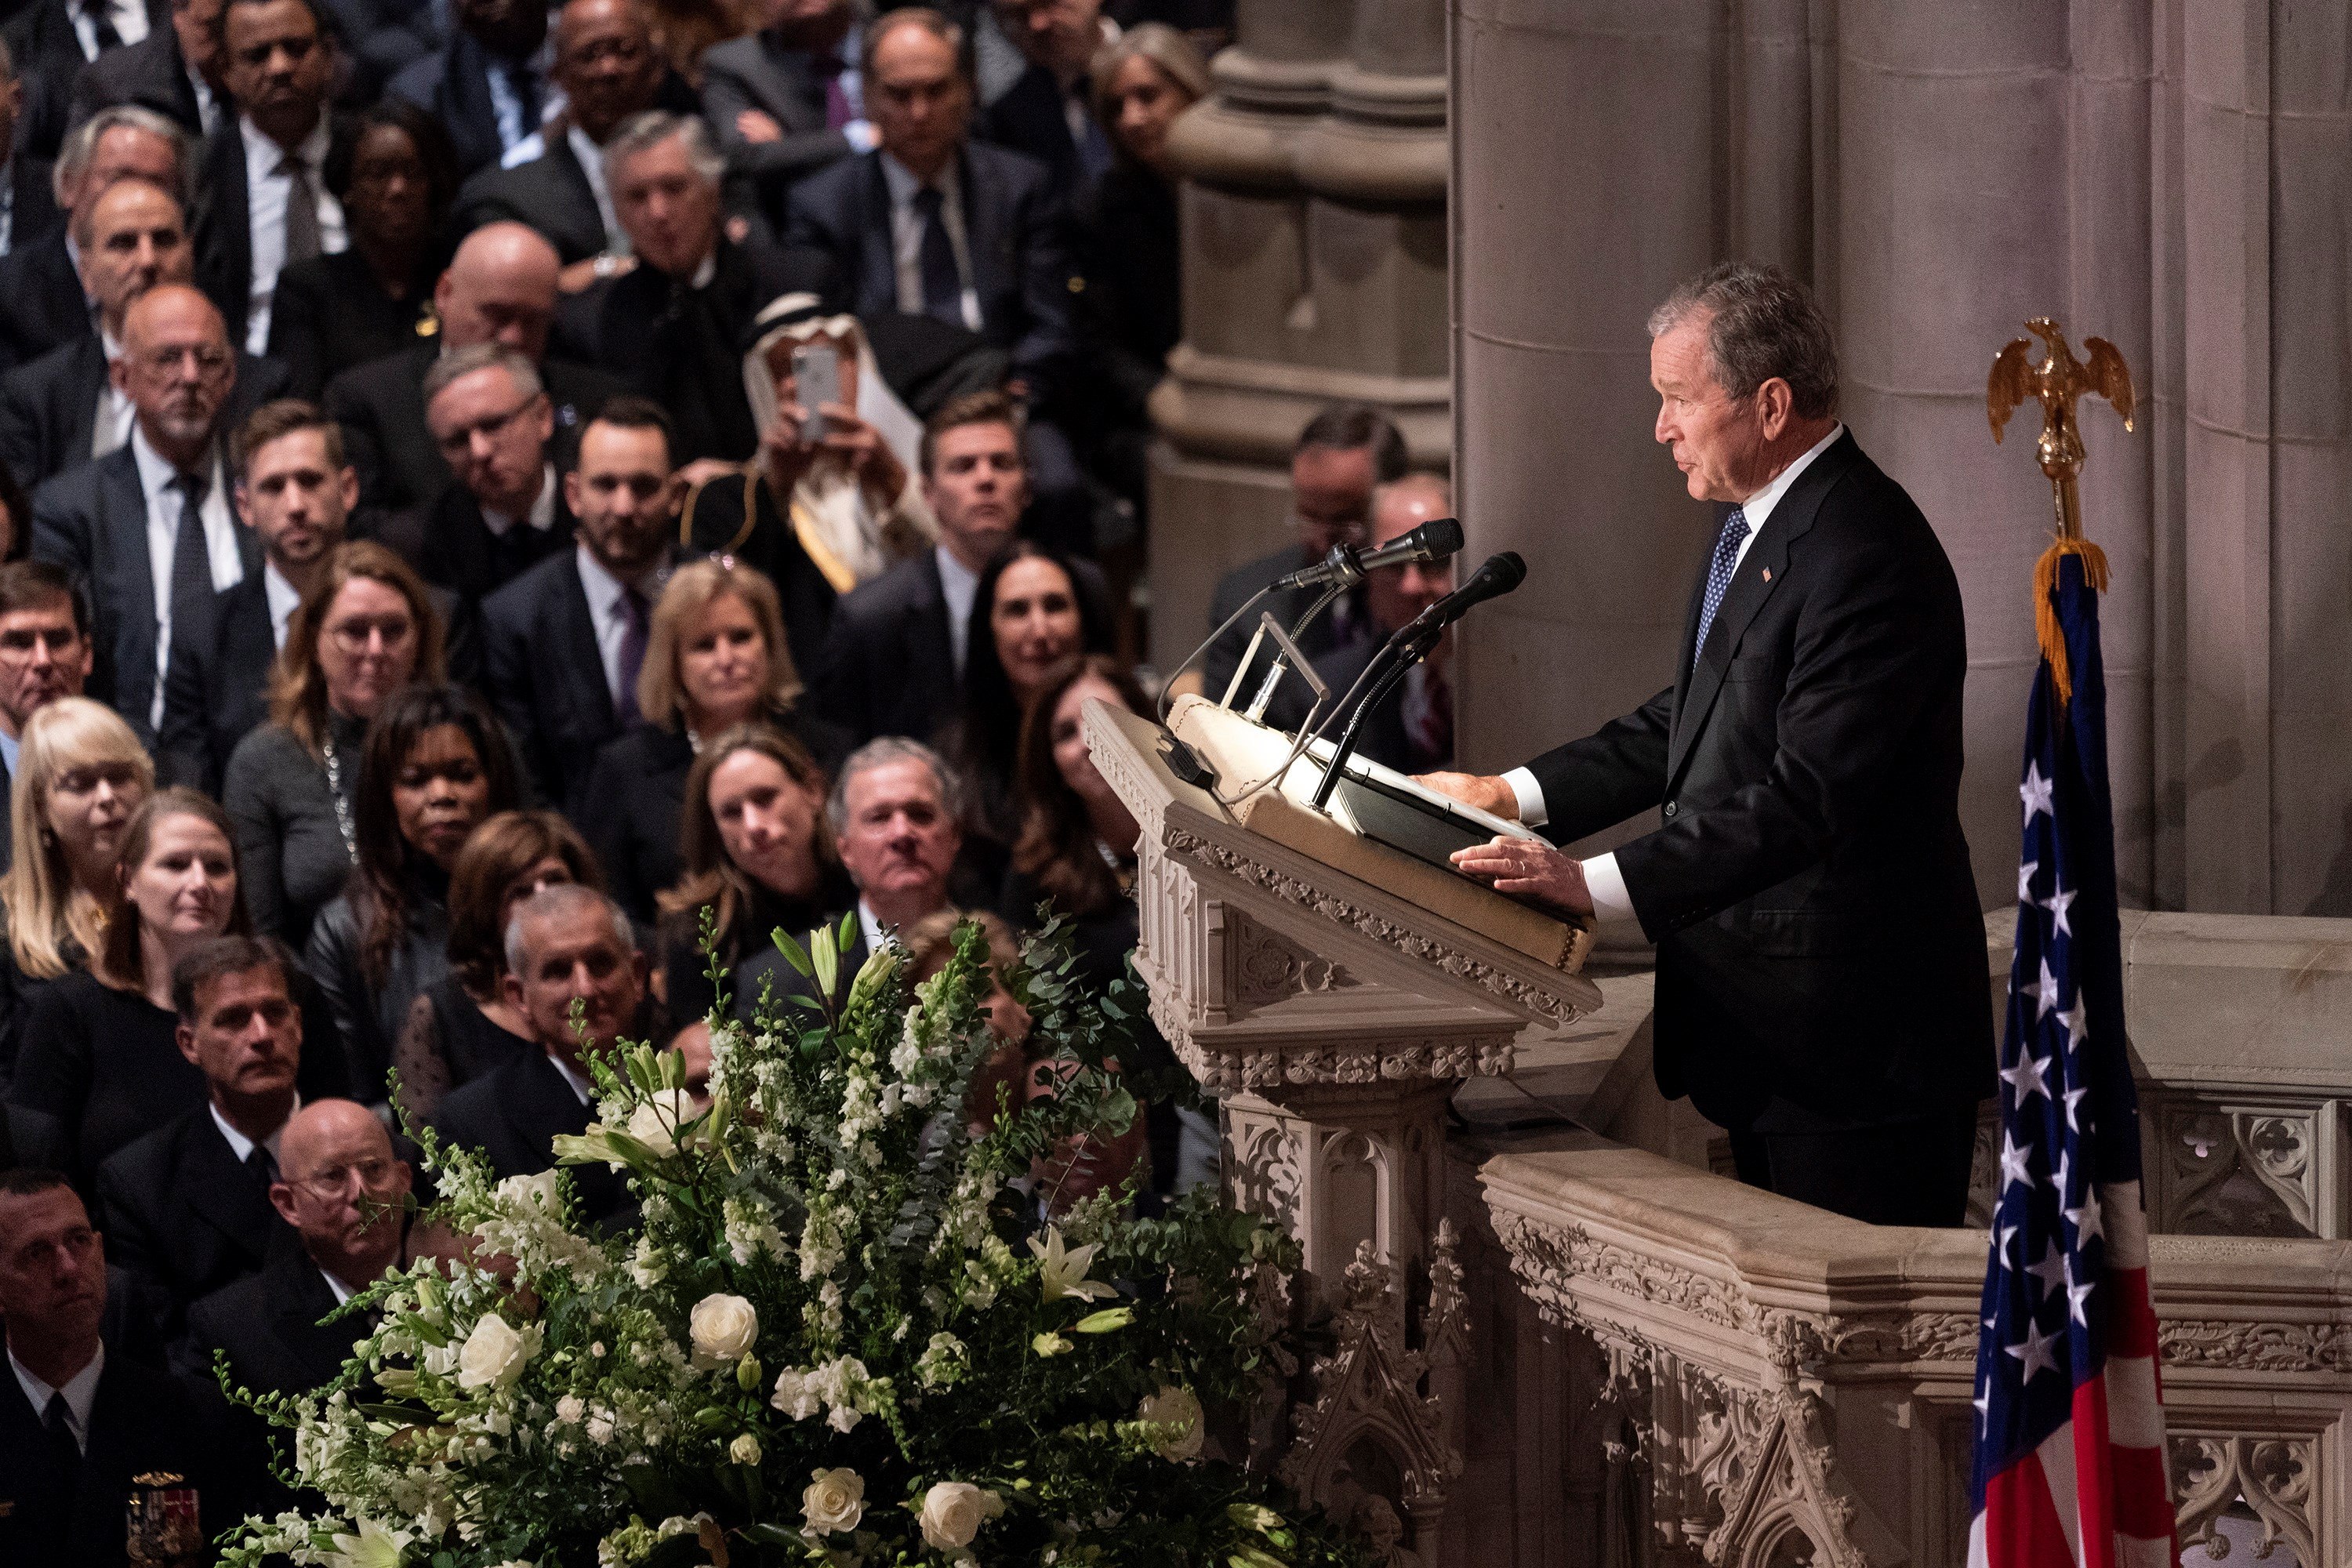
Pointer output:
x,y
1435,540
1497,577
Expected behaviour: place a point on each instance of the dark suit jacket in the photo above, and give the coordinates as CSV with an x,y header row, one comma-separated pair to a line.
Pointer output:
x,y
1821,956
1029,119
454,548
1327,637
181,1213
546,676
151,73
887,666
223,228
49,57
452,85
142,1421
1014,225
92,520
757,71
1382,739
550,194
48,409
31,1140
381,406
514,1115
765,970
381,38
328,314
268,1323
34,200
41,302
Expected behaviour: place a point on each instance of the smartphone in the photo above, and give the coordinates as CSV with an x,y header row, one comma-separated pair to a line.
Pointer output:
x,y
816,371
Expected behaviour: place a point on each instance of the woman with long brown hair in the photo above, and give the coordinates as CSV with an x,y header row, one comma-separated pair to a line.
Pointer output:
x,y
366,628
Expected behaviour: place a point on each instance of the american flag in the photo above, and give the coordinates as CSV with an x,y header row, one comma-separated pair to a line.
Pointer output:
x,y
2070,1461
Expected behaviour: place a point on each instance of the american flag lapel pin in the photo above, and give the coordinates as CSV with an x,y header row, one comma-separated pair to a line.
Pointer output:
x,y
1768,573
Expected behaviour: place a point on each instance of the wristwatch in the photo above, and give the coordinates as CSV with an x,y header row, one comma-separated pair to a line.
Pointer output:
x,y
608,265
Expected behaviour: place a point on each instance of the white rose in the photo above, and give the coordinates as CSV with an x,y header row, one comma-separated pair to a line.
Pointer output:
x,y
745,1450
834,1502
1175,1408
570,1409
493,1354
953,1512
723,1328
600,1428
655,1124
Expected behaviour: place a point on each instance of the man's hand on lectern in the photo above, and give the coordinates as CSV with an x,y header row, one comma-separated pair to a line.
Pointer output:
x,y
1492,796
1528,867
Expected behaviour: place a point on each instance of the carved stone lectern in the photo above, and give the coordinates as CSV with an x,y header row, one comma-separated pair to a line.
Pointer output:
x,y
1333,992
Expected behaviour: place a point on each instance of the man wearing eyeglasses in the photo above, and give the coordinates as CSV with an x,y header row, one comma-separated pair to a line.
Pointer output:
x,y
148,531
188,1207
495,425
45,653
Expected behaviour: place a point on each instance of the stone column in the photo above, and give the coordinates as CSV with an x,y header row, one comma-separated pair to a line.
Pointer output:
x,y
1314,270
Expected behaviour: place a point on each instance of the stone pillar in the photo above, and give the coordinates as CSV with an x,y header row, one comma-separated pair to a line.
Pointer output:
x,y
1314,270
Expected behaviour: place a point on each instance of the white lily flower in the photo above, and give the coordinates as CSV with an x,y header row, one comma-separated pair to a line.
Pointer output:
x,y
1062,1272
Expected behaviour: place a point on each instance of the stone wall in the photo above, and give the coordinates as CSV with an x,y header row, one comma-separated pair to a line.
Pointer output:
x,y
2167,174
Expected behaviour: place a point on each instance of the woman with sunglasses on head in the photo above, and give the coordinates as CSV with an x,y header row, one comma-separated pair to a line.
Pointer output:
x,y
365,630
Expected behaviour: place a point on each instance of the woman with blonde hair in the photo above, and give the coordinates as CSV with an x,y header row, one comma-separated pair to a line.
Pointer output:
x,y
79,775
717,655
365,630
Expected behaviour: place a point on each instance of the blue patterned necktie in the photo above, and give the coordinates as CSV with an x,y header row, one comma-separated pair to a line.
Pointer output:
x,y
1718,575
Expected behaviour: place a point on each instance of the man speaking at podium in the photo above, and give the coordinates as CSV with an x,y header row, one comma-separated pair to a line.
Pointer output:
x,y
1821,988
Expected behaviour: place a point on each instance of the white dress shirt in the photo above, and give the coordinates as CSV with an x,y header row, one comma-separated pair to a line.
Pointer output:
x,y
342,1292
284,599
906,235
163,505
605,591
111,425
129,16
505,103
959,584
80,1392
240,1144
541,516
870,926
265,194
9,746
1602,879
208,103
574,1078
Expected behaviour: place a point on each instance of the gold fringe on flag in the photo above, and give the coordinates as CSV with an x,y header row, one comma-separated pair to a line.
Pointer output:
x,y
2046,629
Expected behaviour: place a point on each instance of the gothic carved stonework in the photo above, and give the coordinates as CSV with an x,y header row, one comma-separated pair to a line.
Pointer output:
x,y
1545,1257
2254,1347
1268,966
1266,1178
2235,1171
1879,1337
2272,1475
1224,1071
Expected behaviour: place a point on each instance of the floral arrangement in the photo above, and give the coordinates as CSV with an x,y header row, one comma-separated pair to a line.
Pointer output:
x,y
840,1331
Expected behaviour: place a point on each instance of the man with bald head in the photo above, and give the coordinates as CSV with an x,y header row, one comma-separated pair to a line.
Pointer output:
x,y
500,288
1413,730
148,529
42,301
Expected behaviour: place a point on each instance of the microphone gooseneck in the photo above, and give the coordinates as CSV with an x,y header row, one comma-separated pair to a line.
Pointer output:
x,y
1436,539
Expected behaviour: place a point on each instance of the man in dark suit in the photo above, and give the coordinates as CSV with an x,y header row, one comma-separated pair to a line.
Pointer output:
x,y
1412,730
674,325
608,65
578,950
489,85
156,511
53,40
506,513
1048,112
173,70
265,171
787,100
28,204
565,642
77,1420
45,653
500,287
1821,983
42,301
188,1205
1342,454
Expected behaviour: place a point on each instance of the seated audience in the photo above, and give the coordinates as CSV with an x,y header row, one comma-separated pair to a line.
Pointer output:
x,y
1029,618
267,206
834,512
1412,731
77,1420
45,653
499,286
366,629
154,514
42,301
566,641
787,100
689,29
566,946
1049,111
495,424
463,1025
188,1205
718,655
176,71
80,774
489,83
758,854
394,176
436,764
1124,232
101,1046
674,325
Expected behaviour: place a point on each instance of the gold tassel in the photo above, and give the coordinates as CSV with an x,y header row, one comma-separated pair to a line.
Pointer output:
x,y
2046,629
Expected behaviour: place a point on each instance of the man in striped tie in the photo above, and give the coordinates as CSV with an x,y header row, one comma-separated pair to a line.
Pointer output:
x,y
1821,983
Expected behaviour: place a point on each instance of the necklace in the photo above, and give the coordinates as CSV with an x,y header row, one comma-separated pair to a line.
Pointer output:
x,y
335,794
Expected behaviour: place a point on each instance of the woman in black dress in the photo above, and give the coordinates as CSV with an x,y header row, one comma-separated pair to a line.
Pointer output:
x,y
102,1052
436,764
395,177
716,655
462,1026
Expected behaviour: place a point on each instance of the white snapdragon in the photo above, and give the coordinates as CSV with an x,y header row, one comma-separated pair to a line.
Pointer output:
x,y
647,1266
840,1387
823,1247
943,1360
750,1233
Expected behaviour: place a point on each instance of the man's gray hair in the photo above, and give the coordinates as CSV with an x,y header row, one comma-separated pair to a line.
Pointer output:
x,y
881,752
461,363
644,133
1762,324
555,902
82,146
